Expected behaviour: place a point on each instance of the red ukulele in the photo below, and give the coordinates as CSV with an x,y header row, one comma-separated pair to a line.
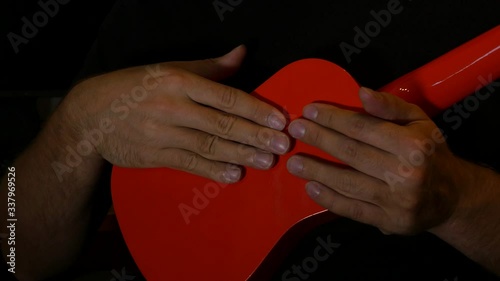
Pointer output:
x,y
183,227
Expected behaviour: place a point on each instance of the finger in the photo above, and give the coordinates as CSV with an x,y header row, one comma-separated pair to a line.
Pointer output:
x,y
347,182
215,148
227,98
361,156
390,107
196,164
235,102
233,128
344,206
215,69
365,128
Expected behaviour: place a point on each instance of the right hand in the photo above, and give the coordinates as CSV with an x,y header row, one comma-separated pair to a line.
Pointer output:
x,y
174,115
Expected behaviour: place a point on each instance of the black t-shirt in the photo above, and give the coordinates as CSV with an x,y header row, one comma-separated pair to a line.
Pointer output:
x,y
280,32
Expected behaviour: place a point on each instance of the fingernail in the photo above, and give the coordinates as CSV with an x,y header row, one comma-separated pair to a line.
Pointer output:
x,y
310,112
280,144
263,160
295,165
313,189
276,122
232,173
297,130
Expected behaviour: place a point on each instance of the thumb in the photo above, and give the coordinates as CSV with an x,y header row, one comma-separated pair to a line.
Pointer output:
x,y
390,107
215,69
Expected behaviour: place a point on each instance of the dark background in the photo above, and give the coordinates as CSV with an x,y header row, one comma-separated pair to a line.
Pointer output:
x,y
44,67
48,64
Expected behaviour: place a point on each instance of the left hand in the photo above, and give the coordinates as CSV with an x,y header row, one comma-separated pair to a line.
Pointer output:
x,y
402,177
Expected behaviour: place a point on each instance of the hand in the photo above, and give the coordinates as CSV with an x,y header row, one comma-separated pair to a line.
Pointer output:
x,y
174,115
402,177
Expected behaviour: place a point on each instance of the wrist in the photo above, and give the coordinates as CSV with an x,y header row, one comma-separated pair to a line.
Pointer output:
x,y
470,191
64,142
72,124
472,225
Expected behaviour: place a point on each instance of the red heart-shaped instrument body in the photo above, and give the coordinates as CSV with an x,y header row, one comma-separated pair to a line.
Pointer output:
x,y
188,227
183,227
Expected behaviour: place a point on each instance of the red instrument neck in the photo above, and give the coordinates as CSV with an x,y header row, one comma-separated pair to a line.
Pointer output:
x,y
453,76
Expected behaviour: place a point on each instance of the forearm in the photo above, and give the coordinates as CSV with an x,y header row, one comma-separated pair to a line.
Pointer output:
x,y
474,229
53,208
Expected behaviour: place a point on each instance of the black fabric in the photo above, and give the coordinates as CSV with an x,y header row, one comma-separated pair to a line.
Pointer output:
x,y
280,32
5,273
363,253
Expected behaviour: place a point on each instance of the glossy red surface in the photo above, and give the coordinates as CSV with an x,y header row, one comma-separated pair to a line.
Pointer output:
x,y
231,229
453,76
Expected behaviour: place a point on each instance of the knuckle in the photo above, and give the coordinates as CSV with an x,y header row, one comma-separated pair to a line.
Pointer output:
x,y
263,137
418,177
356,212
174,78
189,162
411,204
418,172
357,127
382,196
152,131
215,172
227,98
349,149
225,124
347,183
329,117
388,129
208,144
315,137
377,197
407,224
244,151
